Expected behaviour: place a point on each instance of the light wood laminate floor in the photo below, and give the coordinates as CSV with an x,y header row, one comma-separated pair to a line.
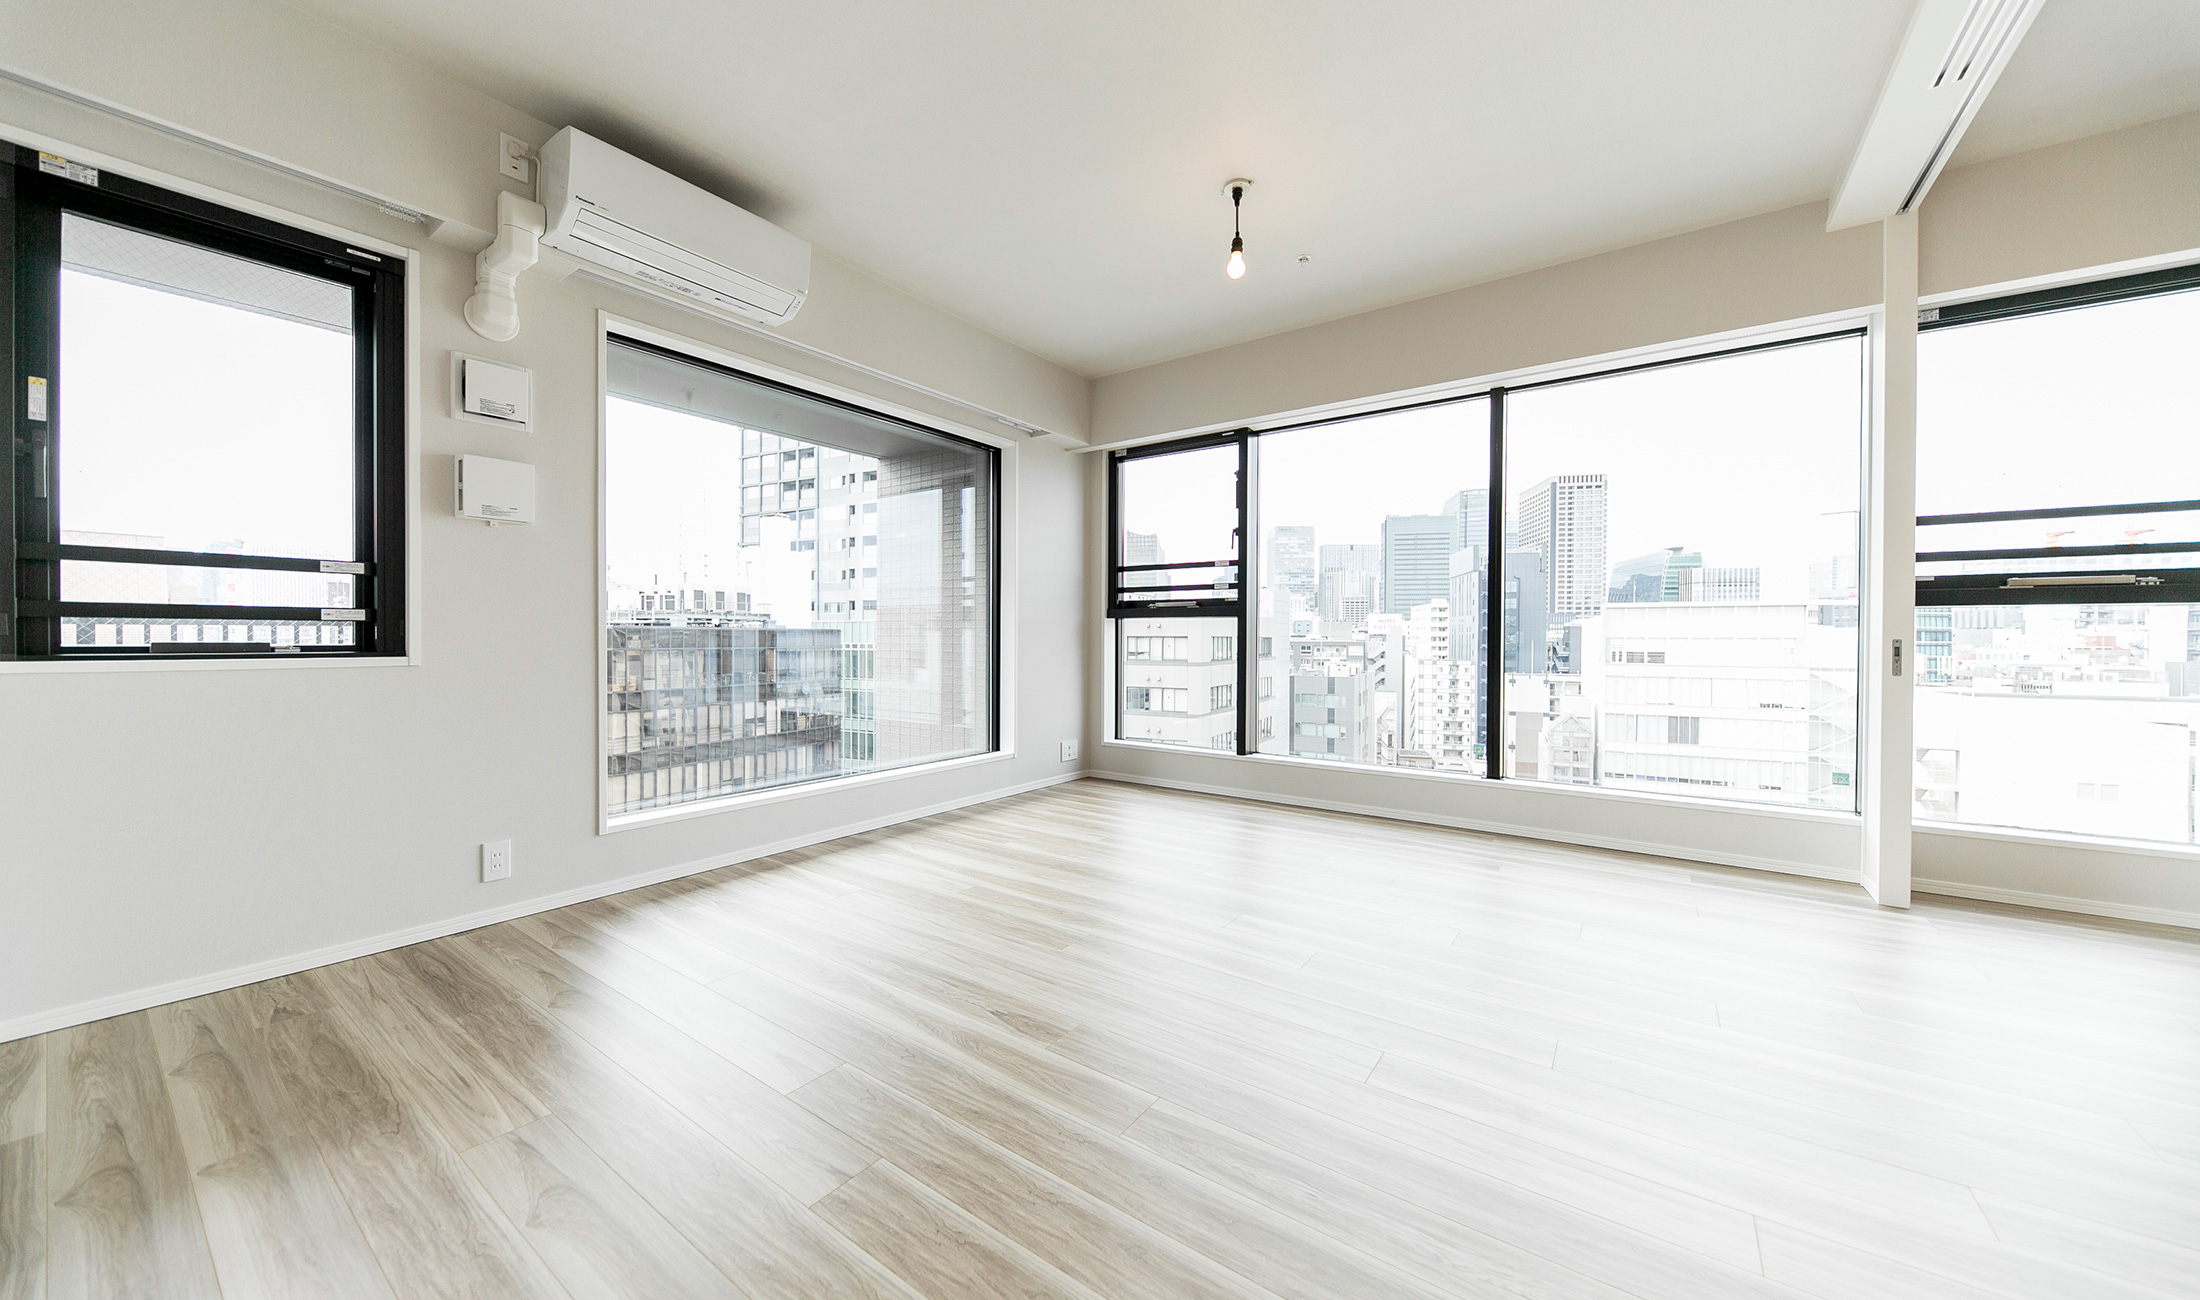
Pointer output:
x,y
1111,1041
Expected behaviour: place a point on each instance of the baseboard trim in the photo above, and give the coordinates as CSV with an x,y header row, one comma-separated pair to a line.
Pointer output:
x,y
2058,903
1746,861
198,986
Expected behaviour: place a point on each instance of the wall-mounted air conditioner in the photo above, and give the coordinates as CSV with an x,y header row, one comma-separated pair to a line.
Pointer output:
x,y
647,230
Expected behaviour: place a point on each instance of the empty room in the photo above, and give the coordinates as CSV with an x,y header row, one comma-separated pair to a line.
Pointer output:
x,y
1221,651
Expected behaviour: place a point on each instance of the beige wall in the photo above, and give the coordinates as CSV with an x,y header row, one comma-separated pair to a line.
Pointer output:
x,y
265,78
2128,195
1776,267
173,828
2131,196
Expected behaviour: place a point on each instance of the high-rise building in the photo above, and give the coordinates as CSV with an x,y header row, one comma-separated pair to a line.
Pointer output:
x,y
1365,557
1437,710
1719,582
1291,562
1563,518
1416,560
1648,579
1471,509
933,619
1349,596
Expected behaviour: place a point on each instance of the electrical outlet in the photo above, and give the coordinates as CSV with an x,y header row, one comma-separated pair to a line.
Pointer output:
x,y
515,159
496,860
1069,751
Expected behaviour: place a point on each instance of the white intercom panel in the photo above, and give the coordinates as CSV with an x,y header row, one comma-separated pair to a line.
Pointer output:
x,y
496,491
492,392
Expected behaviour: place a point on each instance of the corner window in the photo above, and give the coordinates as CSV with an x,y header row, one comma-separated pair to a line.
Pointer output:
x,y
209,426
809,672
1639,579
2057,680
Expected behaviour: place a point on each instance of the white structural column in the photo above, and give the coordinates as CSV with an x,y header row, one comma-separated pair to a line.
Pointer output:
x,y
1890,571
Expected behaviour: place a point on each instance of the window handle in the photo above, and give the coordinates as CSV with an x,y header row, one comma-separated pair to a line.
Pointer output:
x,y
41,468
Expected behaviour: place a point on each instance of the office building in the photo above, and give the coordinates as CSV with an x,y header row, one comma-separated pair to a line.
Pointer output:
x,y
1195,652
1416,560
1562,519
1291,562
1356,556
1718,582
1471,509
1350,595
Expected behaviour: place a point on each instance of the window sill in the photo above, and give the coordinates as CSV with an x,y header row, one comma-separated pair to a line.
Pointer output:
x,y
256,663
1822,816
804,790
2060,840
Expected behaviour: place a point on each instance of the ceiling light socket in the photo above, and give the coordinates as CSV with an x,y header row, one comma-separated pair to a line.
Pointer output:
x,y
1240,183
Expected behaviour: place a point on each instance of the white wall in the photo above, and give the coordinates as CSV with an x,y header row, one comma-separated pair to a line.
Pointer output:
x,y
2128,198
174,829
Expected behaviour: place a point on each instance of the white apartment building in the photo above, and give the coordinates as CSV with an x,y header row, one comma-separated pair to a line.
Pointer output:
x,y
1723,699
2085,718
1436,709
1178,682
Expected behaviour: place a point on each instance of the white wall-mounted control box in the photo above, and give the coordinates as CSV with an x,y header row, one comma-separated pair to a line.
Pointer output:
x,y
496,491
491,392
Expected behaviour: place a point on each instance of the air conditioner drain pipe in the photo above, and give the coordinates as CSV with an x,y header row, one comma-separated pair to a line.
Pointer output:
x,y
493,311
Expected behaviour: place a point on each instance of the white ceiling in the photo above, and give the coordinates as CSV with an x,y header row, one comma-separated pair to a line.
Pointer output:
x,y
1052,171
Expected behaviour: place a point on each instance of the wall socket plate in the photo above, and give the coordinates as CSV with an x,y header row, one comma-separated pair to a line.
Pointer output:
x,y
1069,751
515,158
496,860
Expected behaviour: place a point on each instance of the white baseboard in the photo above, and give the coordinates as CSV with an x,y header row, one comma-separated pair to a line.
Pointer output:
x,y
198,986
1684,853
2058,903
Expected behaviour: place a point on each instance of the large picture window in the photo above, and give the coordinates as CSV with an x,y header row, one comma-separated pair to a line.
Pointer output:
x,y
208,415
2058,637
1694,531
1639,580
798,589
1377,540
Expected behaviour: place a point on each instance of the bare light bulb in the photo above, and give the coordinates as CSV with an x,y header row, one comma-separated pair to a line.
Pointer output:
x,y
1236,265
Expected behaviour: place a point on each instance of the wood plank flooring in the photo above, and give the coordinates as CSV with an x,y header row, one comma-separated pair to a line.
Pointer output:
x,y
1104,1041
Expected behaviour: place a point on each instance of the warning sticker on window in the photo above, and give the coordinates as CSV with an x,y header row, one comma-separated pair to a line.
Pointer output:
x,y
54,164
35,398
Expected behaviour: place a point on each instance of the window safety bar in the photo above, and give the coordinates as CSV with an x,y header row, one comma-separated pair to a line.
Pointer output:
x,y
146,612
191,559
2056,512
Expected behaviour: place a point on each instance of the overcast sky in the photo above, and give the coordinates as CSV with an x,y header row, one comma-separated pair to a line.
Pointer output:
x,y
168,438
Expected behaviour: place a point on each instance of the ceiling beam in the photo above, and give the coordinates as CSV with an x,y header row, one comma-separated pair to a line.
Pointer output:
x,y
1948,61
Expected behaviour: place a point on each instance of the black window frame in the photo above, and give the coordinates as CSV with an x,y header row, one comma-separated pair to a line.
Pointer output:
x,y
995,462
1248,562
32,202
2143,586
